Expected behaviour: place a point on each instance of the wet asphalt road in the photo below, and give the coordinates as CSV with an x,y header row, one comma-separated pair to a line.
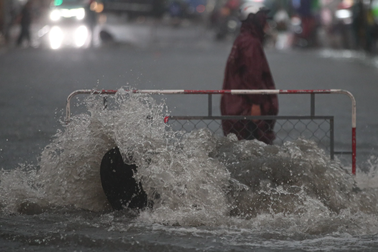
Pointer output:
x,y
35,83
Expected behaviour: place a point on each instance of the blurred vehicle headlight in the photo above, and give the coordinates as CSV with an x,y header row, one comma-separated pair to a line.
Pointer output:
x,y
56,37
80,13
55,15
81,35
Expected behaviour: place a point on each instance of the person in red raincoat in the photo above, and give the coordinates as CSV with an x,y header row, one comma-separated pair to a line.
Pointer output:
x,y
247,68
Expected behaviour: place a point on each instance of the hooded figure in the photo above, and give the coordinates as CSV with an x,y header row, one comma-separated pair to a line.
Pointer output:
x,y
247,68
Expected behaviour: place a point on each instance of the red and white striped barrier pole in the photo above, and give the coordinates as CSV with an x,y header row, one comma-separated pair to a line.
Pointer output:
x,y
237,92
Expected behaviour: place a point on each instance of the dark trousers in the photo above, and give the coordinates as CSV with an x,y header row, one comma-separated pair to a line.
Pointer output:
x,y
252,131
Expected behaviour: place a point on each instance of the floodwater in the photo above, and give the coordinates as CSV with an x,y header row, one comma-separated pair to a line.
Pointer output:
x,y
209,193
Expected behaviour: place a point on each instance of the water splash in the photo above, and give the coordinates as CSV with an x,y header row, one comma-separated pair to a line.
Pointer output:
x,y
194,178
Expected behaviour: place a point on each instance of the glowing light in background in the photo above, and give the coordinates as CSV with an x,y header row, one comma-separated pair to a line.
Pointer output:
x,y
343,14
97,7
200,8
81,35
58,2
80,13
56,14
56,37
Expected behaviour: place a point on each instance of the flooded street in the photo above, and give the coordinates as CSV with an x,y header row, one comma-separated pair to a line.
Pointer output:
x,y
210,199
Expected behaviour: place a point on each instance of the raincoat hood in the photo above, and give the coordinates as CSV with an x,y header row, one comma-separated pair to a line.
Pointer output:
x,y
255,25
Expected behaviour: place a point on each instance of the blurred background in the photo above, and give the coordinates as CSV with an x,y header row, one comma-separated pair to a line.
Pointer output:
x,y
50,48
340,24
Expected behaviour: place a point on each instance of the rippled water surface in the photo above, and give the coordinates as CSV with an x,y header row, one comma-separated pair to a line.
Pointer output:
x,y
209,193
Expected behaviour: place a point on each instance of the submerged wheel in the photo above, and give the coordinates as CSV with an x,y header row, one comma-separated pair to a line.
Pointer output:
x,y
119,184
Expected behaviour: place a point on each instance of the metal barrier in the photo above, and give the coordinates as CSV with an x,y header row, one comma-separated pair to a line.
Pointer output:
x,y
317,128
290,127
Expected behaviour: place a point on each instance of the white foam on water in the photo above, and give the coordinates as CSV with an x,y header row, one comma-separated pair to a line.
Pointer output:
x,y
196,179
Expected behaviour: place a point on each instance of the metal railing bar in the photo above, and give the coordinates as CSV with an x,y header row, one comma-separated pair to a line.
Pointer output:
x,y
249,117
